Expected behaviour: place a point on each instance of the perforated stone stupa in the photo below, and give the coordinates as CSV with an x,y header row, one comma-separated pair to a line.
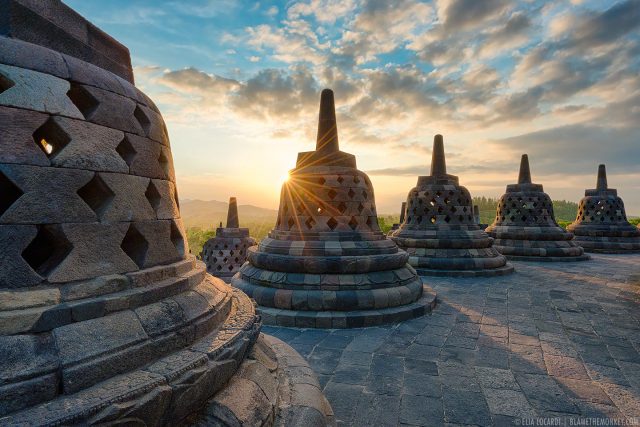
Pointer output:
x,y
227,251
326,263
440,232
525,227
104,317
403,209
601,223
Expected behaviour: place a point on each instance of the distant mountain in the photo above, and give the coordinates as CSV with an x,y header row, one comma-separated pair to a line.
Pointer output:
x,y
209,213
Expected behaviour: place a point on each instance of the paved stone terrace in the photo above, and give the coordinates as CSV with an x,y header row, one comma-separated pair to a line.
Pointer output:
x,y
553,340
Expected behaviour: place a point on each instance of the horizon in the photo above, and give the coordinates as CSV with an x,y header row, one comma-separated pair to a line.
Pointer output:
x,y
239,89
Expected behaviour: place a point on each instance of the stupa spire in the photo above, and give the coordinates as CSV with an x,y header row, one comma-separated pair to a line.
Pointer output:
x,y
327,140
232,214
525,173
602,178
438,162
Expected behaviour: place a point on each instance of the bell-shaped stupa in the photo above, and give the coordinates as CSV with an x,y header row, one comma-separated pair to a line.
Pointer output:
x,y
525,227
601,224
326,263
440,232
403,209
105,318
227,251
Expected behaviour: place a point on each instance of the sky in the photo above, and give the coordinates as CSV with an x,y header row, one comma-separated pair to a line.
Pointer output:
x,y
238,84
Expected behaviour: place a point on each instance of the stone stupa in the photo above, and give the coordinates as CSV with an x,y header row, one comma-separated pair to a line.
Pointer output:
x,y
326,263
403,209
601,223
440,232
227,251
525,228
104,317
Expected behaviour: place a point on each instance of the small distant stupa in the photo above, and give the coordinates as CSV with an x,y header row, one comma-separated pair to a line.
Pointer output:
x,y
403,209
440,232
326,263
525,227
227,251
601,224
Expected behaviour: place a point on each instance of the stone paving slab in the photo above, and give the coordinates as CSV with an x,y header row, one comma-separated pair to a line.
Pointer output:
x,y
557,342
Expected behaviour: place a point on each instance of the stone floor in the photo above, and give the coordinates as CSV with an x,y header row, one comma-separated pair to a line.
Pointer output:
x,y
550,344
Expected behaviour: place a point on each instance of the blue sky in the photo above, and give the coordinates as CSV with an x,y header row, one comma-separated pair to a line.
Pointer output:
x,y
238,84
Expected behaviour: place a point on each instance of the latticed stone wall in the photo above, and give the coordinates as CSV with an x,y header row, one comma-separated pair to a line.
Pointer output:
x,y
601,210
336,201
525,208
86,173
224,255
440,205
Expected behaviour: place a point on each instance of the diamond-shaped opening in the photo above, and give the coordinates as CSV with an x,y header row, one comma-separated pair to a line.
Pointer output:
x,y
364,194
432,202
97,195
47,250
83,100
177,238
353,223
340,179
9,193
153,196
432,219
342,206
51,138
321,181
447,218
290,222
5,83
218,267
230,267
369,222
332,194
164,162
310,223
356,179
351,193
135,245
332,223
360,207
126,150
142,118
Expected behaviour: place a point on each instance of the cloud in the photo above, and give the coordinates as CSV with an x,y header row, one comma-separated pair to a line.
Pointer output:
x,y
462,15
513,33
576,149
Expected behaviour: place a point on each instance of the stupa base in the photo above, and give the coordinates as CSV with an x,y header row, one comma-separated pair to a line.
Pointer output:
x,y
548,258
500,271
349,319
609,245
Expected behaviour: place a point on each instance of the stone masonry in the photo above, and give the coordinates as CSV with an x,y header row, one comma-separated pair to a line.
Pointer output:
x,y
601,223
440,232
327,264
227,251
525,227
104,317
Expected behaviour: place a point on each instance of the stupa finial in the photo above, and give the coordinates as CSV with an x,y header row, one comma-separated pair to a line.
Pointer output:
x,y
327,140
438,163
602,178
232,214
525,173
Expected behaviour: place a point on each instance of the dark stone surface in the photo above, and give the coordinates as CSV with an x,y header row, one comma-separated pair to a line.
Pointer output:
x,y
551,341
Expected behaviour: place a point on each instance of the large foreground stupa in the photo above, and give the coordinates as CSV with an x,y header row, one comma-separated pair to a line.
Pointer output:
x,y
104,317
440,232
225,253
326,263
601,223
525,227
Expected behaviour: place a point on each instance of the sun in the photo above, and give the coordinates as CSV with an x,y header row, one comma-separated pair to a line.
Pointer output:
x,y
284,178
